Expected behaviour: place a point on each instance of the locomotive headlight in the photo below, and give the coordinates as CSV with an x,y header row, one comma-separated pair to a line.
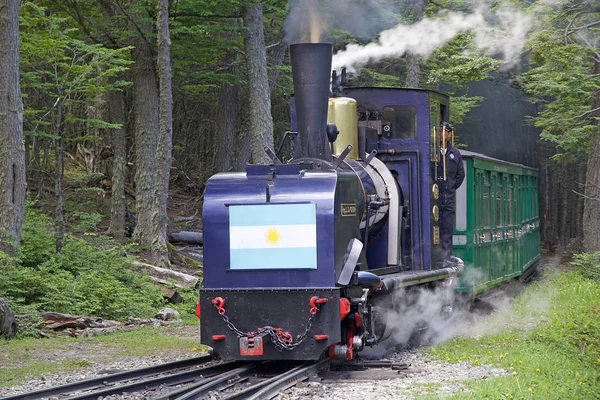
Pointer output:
x,y
435,190
436,212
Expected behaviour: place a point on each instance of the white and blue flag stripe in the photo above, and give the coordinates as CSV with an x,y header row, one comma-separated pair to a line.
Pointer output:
x,y
273,236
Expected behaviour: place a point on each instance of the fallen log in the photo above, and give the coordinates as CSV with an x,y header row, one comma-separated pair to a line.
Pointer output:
x,y
185,219
90,332
165,276
185,237
55,321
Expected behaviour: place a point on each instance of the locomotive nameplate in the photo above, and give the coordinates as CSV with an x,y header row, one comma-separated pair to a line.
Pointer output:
x,y
436,235
348,209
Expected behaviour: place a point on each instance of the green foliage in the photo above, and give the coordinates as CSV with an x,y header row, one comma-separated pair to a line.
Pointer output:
x,y
562,83
549,344
371,77
187,306
86,221
199,43
28,322
37,243
461,105
90,278
458,63
57,66
454,66
588,264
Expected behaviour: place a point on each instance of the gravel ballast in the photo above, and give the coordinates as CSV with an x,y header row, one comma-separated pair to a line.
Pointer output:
x,y
423,376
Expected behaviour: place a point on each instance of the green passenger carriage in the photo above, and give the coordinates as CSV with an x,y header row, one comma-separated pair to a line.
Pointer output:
x,y
496,230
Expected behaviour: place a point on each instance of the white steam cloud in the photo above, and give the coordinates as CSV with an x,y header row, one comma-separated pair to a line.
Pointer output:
x,y
501,32
418,315
421,316
315,20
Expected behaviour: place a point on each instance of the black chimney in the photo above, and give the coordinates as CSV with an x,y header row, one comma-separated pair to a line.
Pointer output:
x,y
311,71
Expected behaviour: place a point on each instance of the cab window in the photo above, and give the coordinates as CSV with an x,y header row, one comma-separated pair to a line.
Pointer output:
x,y
399,122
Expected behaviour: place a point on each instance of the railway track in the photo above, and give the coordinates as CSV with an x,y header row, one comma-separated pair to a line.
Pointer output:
x,y
187,379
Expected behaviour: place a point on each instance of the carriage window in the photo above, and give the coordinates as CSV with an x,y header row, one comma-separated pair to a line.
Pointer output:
x,y
509,201
499,220
399,122
486,203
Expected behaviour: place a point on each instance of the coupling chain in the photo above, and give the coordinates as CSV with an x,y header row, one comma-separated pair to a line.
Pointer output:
x,y
281,340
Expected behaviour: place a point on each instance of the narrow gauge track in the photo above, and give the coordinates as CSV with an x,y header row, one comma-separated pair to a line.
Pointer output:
x,y
233,380
255,381
129,381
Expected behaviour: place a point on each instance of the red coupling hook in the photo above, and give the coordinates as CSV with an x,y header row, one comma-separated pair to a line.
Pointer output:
x,y
218,302
313,303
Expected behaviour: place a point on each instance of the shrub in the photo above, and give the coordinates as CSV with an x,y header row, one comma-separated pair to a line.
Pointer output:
x,y
91,278
587,264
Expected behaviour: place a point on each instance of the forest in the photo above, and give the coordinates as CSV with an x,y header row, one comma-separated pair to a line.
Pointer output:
x,y
114,113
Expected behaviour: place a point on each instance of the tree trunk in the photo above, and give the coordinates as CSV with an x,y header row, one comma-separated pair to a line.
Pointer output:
x,y
566,173
581,171
227,115
160,251
548,200
59,221
12,150
276,58
242,151
146,105
227,108
260,120
413,68
115,107
227,124
116,115
591,208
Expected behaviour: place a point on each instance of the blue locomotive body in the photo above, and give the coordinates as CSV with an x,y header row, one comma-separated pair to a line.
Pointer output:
x,y
273,286
301,256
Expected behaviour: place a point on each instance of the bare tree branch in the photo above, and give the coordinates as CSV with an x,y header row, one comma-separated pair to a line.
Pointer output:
x,y
587,112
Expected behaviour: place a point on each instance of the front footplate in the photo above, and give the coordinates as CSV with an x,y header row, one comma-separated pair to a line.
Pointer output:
x,y
295,324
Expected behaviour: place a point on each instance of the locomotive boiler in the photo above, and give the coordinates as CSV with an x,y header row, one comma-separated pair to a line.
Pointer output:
x,y
303,257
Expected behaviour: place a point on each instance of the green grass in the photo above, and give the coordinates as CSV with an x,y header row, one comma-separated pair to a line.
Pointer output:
x,y
147,341
17,356
14,376
549,343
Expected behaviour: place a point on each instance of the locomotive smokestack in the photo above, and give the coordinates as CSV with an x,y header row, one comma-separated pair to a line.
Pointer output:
x,y
311,71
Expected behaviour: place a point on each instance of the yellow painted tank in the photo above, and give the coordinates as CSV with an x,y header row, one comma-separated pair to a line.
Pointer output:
x,y
342,113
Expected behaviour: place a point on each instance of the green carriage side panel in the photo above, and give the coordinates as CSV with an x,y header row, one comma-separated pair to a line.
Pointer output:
x,y
497,222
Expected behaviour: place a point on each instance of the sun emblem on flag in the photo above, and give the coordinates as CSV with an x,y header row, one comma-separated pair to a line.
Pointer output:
x,y
272,235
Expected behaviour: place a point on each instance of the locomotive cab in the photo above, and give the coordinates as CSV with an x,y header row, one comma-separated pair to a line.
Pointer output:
x,y
401,126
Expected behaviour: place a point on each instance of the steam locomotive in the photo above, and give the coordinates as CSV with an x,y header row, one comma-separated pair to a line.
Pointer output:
x,y
303,257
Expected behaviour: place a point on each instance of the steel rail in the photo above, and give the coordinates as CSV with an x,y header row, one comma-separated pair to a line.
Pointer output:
x,y
244,393
172,379
108,379
202,388
285,380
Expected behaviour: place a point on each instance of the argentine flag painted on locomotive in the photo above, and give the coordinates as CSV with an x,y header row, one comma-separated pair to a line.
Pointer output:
x,y
273,236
